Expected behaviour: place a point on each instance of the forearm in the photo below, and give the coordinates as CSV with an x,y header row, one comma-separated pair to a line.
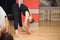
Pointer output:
x,y
0,31
6,23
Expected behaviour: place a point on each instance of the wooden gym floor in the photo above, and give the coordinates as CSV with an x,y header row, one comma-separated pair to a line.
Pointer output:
x,y
46,31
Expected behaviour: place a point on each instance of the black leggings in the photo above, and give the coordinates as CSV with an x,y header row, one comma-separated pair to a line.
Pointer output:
x,y
17,16
17,20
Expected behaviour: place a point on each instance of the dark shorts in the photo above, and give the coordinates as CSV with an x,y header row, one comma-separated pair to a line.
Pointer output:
x,y
23,9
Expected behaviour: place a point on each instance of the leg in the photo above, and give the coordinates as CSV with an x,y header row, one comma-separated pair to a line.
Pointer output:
x,y
16,21
16,25
20,23
20,20
15,10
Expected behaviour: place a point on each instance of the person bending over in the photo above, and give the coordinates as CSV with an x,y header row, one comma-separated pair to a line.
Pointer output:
x,y
4,23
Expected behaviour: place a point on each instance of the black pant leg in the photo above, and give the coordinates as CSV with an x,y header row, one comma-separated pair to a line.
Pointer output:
x,y
16,21
15,10
20,20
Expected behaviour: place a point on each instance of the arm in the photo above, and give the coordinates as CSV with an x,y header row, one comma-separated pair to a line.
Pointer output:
x,y
26,17
26,22
0,31
6,23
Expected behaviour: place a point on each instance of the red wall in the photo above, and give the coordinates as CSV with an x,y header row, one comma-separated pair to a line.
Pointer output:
x,y
16,1
32,4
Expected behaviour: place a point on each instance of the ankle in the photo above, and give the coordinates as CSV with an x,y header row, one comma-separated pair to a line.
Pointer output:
x,y
16,32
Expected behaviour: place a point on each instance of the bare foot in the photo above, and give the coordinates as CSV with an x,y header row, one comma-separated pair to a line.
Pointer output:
x,y
22,30
28,33
17,35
